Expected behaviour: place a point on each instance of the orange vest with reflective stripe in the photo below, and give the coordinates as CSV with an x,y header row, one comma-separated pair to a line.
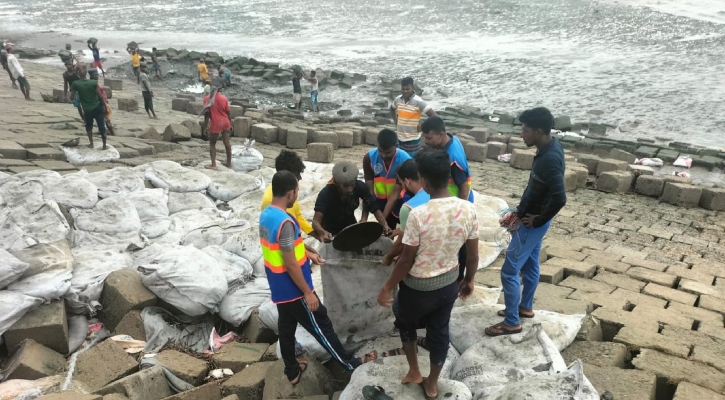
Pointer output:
x,y
281,284
385,178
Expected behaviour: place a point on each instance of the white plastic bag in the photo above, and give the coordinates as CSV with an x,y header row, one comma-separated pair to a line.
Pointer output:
x,y
50,271
683,161
72,191
504,158
227,186
116,181
246,158
649,162
170,175
11,269
14,306
83,155
188,201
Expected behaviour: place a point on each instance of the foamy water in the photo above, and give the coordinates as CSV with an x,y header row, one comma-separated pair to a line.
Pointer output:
x,y
655,67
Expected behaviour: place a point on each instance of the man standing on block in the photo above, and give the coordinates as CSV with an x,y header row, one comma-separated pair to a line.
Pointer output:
x,y
543,198
427,270
90,97
216,109
380,168
406,111
287,265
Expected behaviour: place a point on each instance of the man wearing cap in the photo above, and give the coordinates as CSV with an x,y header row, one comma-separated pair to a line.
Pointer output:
x,y
380,166
90,97
336,204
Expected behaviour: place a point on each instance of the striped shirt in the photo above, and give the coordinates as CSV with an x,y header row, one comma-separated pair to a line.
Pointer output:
x,y
409,113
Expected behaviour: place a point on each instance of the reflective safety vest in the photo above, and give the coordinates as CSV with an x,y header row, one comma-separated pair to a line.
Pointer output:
x,y
281,284
385,178
457,156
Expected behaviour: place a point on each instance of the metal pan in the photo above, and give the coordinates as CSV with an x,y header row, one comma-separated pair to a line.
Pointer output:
x,y
358,236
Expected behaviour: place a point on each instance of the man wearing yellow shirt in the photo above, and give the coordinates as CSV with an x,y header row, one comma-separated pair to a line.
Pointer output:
x,y
135,63
203,71
290,161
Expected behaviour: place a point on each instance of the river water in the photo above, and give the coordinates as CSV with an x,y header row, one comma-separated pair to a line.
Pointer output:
x,y
654,67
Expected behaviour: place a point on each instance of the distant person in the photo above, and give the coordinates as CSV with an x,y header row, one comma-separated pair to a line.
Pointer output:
x,y
90,97
4,62
135,63
70,76
155,67
17,73
314,90
108,111
225,74
66,56
148,94
296,91
543,198
216,109
203,71
96,57
406,111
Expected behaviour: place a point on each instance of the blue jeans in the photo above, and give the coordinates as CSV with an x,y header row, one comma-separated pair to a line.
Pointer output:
x,y
522,257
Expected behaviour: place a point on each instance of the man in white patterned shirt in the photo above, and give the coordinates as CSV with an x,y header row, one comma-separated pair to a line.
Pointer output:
x,y
406,111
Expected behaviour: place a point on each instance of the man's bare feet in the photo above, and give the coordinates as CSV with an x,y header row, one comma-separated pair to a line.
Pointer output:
x,y
105,148
90,146
416,378
427,390
210,167
228,165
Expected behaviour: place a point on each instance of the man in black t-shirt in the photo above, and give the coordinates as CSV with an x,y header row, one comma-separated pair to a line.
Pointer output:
x,y
296,90
336,204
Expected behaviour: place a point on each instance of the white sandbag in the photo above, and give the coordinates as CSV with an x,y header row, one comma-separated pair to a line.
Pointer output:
x,y
119,241
246,245
72,191
22,192
50,270
14,306
42,176
4,178
468,324
22,389
183,276
30,223
248,205
170,175
392,341
77,332
80,155
264,174
11,269
238,304
227,186
388,372
481,295
269,316
493,203
487,254
188,201
153,211
111,215
237,270
567,385
162,328
115,181
186,221
245,158
89,273
215,234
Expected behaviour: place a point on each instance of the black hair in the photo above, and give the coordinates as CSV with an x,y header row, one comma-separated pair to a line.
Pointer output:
x,y
435,167
313,72
288,160
154,49
407,81
387,139
408,170
538,118
282,183
434,123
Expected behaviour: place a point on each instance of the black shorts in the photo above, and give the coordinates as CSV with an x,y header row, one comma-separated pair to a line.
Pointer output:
x,y
148,101
23,82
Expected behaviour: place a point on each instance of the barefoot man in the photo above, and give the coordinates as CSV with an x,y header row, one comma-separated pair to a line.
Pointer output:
x,y
16,71
93,46
287,262
216,109
427,270
90,97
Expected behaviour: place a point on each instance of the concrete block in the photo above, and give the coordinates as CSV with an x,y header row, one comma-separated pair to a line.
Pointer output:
x,y
312,382
69,396
326,137
194,108
609,164
345,139
256,331
623,384
264,133
612,321
681,194
46,153
572,267
55,165
591,161
320,152
676,179
132,325
180,104
601,354
571,180
210,391
498,137
636,299
648,275
151,133
193,127
598,300
104,363
495,149
242,127
687,391
176,133
109,92
371,136
675,370
33,361
475,151
700,288
522,159
127,104
698,313
587,285
255,115
114,84
581,173
271,353
637,339
563,252
480,133
357,136
670,294
615,182
236,356
186,367
249,383
713,303
713,199
123,291
639,170
552,274
668,155
590,331
296,139
148,384
622,155
620,280
649,185
46,325
236,111
646,152
58,96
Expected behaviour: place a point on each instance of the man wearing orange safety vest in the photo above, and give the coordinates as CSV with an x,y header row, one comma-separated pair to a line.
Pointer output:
x,y
380,168
287,263
459,183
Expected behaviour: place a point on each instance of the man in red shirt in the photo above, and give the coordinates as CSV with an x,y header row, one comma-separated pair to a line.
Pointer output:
x,y
219,121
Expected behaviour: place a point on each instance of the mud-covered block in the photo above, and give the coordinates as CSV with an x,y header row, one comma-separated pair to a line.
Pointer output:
x,y
480,133
179,104
713,199
648,185
236,111
320,152
622,155
236,356
114,84
193,127
475,151
33,361
610,164
242,127
176,133
601,354
646,152
682,194
591,161
127,104
571,180
296,138
148,384
104,363
210,391
47,325
523,158
312,382
495,149
256,331
639,170
345,139
327,137
264,133
249,383
123,291
615,182
132,325
189,369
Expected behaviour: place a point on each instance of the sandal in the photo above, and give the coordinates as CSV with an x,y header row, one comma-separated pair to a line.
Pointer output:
x,y
421,342
425,393
502,313
303,367
372,356
375,393
501,329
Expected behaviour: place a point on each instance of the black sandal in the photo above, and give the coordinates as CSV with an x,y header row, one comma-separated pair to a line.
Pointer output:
x,y
375,393
425,393
303,367
499,329
502,313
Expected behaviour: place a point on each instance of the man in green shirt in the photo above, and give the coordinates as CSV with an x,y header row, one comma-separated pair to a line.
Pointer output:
x,y
89,96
